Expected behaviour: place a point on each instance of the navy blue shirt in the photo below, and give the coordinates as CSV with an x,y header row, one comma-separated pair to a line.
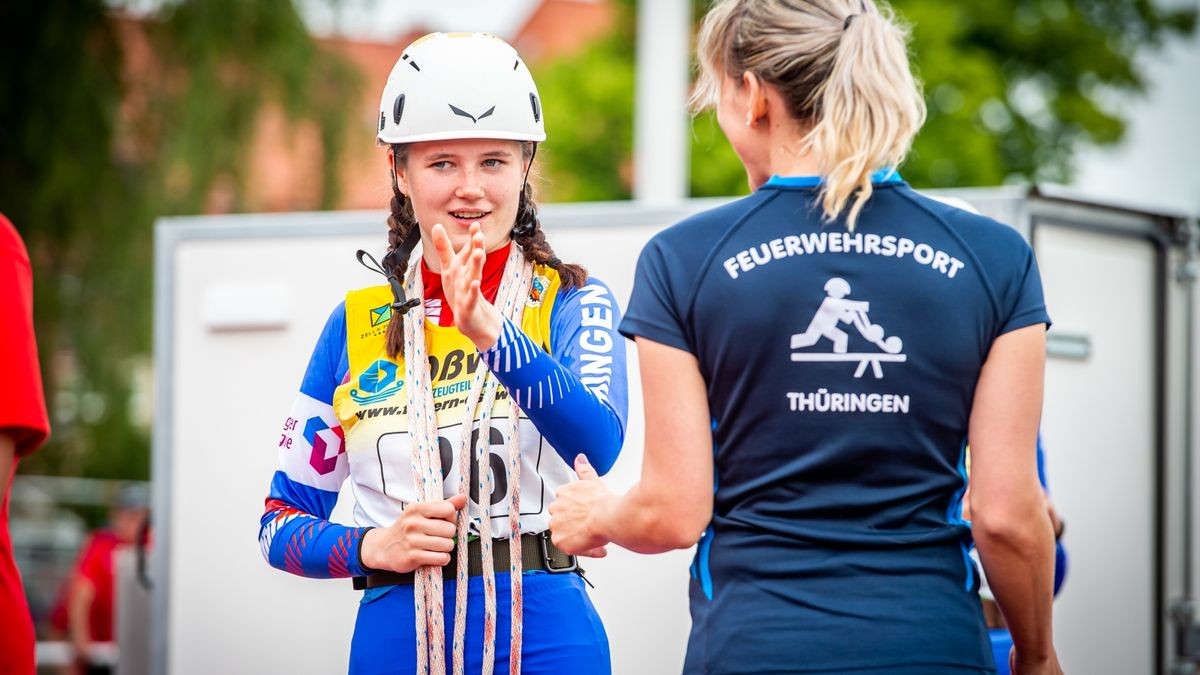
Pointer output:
x,y
840,367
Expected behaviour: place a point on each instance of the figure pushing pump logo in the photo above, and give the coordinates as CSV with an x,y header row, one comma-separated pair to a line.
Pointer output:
x,y
836,309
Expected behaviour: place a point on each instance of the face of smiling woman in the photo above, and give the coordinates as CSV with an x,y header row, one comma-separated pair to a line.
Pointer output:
x,y
461,182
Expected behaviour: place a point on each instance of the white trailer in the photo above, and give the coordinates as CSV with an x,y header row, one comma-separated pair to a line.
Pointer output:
x,y
239,301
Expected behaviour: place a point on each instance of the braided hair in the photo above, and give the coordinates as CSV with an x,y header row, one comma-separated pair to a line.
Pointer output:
x,y
526,233
401,222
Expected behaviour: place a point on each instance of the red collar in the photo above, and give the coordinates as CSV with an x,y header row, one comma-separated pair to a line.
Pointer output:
x,y
493,273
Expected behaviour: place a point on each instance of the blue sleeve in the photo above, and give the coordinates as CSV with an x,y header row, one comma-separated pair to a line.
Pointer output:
x,y
577,395
295,532
1041,464
655,311
1025,302
1060,551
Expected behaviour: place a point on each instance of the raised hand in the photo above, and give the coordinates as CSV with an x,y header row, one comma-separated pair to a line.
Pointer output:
x,y
422,535
462,274
573,503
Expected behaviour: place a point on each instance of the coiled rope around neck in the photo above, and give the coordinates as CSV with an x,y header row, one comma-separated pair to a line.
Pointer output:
x,y
427,474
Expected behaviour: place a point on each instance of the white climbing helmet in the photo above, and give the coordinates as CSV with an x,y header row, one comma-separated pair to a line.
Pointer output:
x,y
460,85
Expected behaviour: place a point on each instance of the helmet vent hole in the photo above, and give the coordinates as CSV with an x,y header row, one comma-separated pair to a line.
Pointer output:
x,y
537,107
397,109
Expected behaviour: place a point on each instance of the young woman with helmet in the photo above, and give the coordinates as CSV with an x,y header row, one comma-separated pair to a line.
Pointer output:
x,y
488,352
821,470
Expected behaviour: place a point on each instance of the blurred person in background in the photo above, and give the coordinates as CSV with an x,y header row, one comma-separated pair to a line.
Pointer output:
x,y
411,388
813,357
85,612
24,426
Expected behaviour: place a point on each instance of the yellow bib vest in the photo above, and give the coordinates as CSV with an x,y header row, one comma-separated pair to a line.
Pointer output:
x,y
372,406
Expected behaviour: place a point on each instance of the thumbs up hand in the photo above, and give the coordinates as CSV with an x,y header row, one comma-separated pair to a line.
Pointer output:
x,y
574,512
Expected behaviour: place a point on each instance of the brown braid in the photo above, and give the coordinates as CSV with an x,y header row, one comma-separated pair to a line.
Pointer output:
x,y
528,234
401,221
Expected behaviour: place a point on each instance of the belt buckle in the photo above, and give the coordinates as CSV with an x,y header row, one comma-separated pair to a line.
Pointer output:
x,y
543,542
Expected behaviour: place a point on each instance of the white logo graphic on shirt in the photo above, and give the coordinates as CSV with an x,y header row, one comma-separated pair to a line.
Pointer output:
x,y
837,309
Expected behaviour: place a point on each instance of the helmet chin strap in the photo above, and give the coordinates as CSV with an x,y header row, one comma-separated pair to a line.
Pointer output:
x,y
521,229
401,303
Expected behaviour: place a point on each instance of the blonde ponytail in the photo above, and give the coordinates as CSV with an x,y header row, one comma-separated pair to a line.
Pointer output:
x,y
841,66
871,109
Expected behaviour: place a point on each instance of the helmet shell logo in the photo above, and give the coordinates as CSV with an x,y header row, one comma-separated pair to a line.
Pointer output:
x,y
378,382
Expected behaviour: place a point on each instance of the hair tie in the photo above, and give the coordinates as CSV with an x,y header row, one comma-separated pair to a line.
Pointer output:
x,y
554,261
846,23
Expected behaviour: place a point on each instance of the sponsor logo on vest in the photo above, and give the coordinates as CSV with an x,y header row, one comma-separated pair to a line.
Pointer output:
x,y
450,367
381,315
377,383
537,290
438,406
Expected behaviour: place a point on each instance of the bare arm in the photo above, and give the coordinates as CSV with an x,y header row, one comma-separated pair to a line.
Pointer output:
x,y
1011,527
672,503
79,608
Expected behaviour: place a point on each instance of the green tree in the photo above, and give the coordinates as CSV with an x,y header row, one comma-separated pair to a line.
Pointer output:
x,y
589,117
89,159
1014,89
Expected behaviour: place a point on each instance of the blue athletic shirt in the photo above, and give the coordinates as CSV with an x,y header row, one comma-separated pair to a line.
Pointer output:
x,y
840,369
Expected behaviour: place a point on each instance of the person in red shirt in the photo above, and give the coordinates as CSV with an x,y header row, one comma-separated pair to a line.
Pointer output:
x,y
23,427
84,612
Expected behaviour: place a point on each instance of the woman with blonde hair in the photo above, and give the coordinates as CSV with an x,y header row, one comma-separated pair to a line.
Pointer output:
x,y
454,397
814,358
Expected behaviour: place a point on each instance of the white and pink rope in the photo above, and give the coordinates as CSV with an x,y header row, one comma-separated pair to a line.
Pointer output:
x,y
426,466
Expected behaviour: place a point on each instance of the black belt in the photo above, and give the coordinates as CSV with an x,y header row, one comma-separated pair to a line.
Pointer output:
x,y
537,553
